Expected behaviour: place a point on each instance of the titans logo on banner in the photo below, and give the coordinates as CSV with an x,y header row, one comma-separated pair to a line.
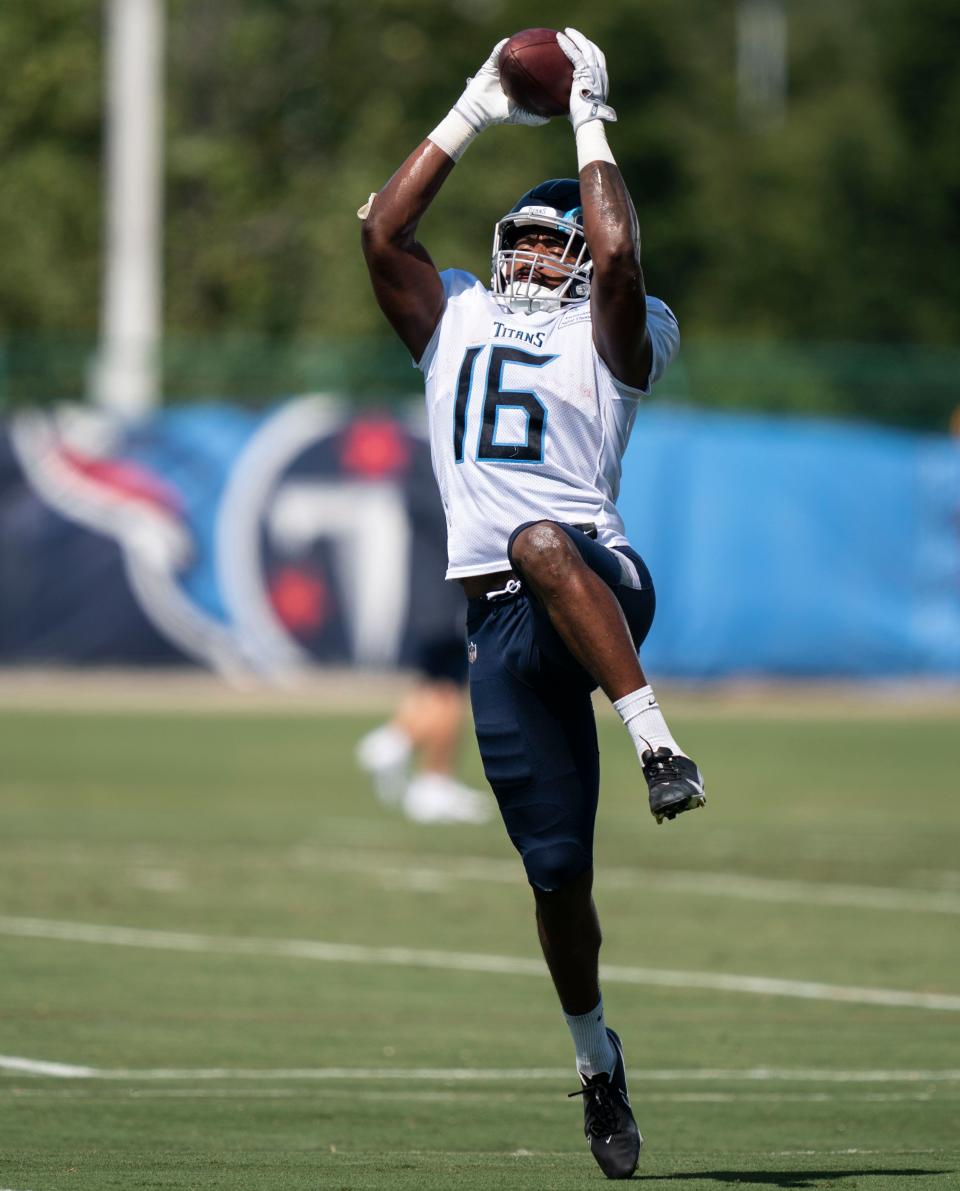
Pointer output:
x,y
248,542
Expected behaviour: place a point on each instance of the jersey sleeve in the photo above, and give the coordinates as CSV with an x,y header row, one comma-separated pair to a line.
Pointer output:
x,y
664,332
456,283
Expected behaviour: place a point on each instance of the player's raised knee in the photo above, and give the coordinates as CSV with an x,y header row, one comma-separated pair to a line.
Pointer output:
x,y
539,547
553,867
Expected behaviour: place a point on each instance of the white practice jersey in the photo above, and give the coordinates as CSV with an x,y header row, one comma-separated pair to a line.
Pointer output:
x,y
526,421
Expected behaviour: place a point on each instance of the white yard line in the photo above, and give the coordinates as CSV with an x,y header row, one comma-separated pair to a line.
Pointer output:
x,y
765,889
42,1067
457,961
57,1070
280,1074
410,872
460,1097
168,871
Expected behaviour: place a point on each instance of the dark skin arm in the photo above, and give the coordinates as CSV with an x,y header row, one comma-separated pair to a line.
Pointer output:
x,y
617,295
405,280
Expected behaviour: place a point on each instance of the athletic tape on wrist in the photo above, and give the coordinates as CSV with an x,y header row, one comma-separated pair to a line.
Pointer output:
x,y
592,144
453,134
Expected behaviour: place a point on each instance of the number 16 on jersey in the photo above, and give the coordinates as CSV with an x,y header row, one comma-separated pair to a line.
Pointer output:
x,y
496,398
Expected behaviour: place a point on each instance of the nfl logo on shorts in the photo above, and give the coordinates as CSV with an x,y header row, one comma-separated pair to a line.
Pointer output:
x,y
471,652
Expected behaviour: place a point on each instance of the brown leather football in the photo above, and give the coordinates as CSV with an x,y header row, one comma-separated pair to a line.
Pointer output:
x,y
535,73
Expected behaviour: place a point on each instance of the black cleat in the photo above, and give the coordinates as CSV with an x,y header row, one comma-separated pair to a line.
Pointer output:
x,y
608,1123
675,783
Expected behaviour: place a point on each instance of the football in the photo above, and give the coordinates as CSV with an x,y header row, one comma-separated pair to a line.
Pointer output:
x,y
535,73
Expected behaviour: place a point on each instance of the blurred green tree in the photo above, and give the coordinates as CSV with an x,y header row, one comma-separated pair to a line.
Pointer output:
x,y
50,89
836,224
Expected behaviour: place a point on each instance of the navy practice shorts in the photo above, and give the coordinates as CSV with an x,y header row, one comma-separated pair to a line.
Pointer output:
x,y
534,717
443,659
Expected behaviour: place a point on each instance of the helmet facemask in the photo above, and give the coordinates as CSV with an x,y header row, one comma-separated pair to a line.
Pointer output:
x,y
513,268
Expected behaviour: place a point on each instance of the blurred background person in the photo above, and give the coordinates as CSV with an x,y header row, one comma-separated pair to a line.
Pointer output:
x,y
412,758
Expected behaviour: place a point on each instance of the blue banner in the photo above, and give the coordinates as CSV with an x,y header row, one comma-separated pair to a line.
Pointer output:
x,y
268,541
248,542
793,547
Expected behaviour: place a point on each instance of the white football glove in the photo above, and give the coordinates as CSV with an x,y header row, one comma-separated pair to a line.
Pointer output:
x,y
588,95
484,102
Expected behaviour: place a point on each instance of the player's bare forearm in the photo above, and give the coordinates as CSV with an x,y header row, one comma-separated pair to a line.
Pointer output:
x,y
618,296
398,208
610,222
405,280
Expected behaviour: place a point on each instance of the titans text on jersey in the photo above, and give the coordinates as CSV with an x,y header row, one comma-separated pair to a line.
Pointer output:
x,y
503,332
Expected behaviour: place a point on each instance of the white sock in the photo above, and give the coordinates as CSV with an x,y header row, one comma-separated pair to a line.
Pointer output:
x,y
644,720
595,1051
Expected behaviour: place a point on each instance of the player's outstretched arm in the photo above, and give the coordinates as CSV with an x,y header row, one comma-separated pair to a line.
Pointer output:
x,y
405,280
617,294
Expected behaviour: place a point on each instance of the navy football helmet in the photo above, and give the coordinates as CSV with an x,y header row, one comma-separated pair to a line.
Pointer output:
x,y
553,206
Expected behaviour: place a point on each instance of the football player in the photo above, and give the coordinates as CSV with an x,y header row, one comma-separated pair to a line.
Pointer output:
x,y
532,387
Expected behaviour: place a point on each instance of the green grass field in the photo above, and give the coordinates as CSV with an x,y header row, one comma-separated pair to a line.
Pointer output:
x,y
245,973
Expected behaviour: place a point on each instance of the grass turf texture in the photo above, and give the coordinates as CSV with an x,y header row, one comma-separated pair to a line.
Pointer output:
x,y
258,826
